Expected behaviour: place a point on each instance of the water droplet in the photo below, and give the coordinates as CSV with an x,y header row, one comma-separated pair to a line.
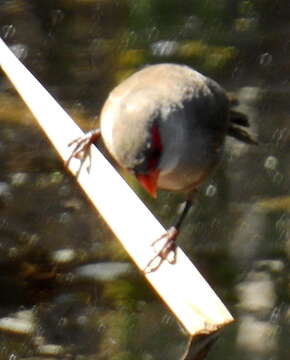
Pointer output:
x,y
78,106
19,179
237,72
19,50
271,163
266,59
34,240
101,327
5,191
64,190
164,48
166,319
13,252
278,178
62,321
281,135
57,16
64,218
190,25
275,315
280,223
152,33
8,31
211,190
82,320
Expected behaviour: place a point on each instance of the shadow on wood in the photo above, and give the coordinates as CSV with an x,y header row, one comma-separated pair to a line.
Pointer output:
x,y
199,346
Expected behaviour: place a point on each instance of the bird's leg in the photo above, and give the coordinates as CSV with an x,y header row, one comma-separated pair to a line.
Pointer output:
x,y
82,147
170,241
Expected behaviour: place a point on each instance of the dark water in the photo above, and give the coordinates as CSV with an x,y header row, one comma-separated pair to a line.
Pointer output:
x,y
65,281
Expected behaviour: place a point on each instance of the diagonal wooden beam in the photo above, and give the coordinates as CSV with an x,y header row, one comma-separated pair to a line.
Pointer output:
x,y
181,286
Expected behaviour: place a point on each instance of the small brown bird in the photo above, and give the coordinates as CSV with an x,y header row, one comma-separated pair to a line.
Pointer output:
x,y
167,124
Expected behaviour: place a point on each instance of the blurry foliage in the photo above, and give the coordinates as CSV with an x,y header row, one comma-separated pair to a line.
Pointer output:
x,y
247,8
101,42
211,58
274,204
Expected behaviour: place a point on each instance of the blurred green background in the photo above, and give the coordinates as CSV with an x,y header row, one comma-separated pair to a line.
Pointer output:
x,y
68,289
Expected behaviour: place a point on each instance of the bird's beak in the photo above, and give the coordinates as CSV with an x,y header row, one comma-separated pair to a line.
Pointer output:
x,y
149,182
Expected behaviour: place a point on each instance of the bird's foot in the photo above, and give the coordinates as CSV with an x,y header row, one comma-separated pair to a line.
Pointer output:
x,y
82,147
168,249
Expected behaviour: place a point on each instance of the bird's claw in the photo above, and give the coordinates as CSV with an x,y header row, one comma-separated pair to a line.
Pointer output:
x,y
164,253
82,148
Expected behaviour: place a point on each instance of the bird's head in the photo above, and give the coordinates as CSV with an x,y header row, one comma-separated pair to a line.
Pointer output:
x,y
137,147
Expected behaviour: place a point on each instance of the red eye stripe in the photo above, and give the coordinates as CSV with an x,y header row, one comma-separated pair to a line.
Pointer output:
x,y
156,138
156,148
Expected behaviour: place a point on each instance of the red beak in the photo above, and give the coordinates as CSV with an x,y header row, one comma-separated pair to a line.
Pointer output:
x,y
149,182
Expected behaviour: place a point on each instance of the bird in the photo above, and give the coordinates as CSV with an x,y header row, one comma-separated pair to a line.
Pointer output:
x,y
166,124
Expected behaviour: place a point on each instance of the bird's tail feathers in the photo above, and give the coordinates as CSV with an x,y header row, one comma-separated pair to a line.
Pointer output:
x,y
238,121
241,135
238,118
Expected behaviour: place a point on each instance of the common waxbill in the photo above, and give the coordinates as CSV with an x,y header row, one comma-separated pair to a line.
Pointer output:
x,y
167,124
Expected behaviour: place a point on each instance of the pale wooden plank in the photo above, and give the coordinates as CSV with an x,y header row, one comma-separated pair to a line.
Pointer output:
x,y
180,285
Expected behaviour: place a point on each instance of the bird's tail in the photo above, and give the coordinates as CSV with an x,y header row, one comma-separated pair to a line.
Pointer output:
x,y
238,122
